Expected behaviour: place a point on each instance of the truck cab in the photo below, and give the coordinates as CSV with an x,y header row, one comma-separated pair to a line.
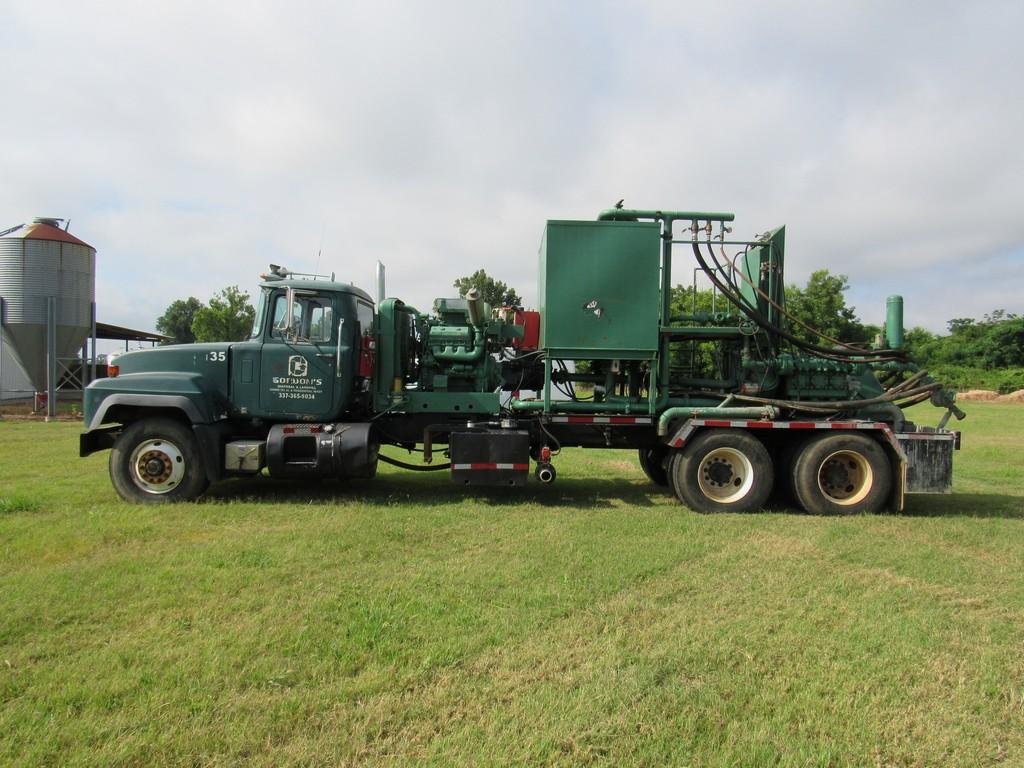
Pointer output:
x,y
304,358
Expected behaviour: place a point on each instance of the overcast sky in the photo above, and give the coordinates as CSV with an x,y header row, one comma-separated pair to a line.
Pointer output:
x,y
193,142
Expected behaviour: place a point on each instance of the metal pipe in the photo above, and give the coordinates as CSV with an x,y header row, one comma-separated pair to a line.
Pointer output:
x,y
380,283
894,322
92,330
765,413
666,272
462,355
716,241
574,407
51,357
704,332
475,304
632,214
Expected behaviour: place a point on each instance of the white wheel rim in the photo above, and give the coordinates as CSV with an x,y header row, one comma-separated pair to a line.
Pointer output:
x,y
725,475
157,466
845,477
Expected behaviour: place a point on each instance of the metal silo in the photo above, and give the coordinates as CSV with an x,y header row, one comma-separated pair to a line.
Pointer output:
x,y
47,290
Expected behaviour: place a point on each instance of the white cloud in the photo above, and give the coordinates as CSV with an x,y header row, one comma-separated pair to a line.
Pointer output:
x,y
192,143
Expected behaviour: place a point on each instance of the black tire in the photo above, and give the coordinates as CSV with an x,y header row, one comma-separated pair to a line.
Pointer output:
x,y
722,470
842,474
783,457
654,461
157,461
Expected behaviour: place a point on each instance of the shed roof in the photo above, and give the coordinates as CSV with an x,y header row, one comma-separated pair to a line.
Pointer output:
x,y
119,333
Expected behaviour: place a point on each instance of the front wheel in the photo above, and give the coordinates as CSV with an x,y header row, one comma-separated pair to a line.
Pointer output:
x,y
157,461
842,474
723,470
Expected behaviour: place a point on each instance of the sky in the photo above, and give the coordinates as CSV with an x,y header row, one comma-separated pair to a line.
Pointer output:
x,y
192,143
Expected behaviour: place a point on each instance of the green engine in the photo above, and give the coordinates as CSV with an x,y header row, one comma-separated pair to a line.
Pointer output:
x,y
442,362
455,346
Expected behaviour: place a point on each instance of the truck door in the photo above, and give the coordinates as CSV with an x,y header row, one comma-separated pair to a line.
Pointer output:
x,y
298,367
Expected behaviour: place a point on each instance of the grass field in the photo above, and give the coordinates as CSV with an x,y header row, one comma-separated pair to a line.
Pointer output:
x,y
404,622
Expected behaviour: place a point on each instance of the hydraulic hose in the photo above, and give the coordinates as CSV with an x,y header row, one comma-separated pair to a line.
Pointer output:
x,y
831,354
842,405
904,385
778,306
414,467
738,300
668,217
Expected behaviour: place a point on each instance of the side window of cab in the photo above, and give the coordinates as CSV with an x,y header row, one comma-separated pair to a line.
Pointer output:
x,y
364,316
311,318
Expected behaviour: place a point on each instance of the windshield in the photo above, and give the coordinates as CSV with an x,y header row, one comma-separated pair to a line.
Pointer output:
x,y
261,310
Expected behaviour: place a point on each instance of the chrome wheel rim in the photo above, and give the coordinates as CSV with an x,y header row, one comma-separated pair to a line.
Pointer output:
x,y
845,477
157,466
725,475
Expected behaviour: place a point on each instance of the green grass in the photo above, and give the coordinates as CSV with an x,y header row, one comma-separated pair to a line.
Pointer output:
x,y
405,621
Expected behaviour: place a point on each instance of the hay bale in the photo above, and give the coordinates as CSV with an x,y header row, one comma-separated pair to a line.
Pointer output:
x,y
977,395
1013,397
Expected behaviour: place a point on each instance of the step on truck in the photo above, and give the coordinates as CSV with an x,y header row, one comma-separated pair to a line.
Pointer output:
x,y
722,405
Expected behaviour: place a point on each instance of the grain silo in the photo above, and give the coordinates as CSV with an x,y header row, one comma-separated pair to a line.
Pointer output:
x,y
47,290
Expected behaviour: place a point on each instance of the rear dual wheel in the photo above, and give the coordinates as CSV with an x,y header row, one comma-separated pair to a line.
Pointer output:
x,y
654,463
723,470
841,474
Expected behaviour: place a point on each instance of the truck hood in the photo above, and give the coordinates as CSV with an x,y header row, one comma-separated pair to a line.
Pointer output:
x,y
210,363
206,359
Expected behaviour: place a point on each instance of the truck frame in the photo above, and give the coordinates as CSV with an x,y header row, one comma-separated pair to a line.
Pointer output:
x,y
722,406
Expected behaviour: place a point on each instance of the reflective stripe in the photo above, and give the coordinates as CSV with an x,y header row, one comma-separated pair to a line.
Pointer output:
x,y
303,429
472,467
684,432
621,420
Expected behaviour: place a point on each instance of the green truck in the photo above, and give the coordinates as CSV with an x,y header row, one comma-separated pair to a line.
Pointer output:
x,y
722,406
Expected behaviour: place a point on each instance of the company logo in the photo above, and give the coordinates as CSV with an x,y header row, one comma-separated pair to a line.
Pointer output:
x,y
298,366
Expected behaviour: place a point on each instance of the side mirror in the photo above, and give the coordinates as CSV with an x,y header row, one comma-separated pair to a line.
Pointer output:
x,y
286,323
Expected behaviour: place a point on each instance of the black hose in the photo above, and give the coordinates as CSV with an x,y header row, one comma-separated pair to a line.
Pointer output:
x,y
853,347
730,277
908,383
915,400
842,405
414,467
839,355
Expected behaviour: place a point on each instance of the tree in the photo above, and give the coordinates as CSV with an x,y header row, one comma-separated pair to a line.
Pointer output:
x,y
176,321
920,344
494,292
822,306
996,341
698,360
228,318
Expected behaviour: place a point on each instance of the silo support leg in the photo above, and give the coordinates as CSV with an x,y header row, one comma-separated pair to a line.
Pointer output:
x,y
51,358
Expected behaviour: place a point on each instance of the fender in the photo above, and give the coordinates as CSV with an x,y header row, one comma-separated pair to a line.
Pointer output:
x,y
165,390
178,402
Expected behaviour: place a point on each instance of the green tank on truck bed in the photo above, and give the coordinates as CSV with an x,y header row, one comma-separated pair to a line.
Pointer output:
x,y
721,406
